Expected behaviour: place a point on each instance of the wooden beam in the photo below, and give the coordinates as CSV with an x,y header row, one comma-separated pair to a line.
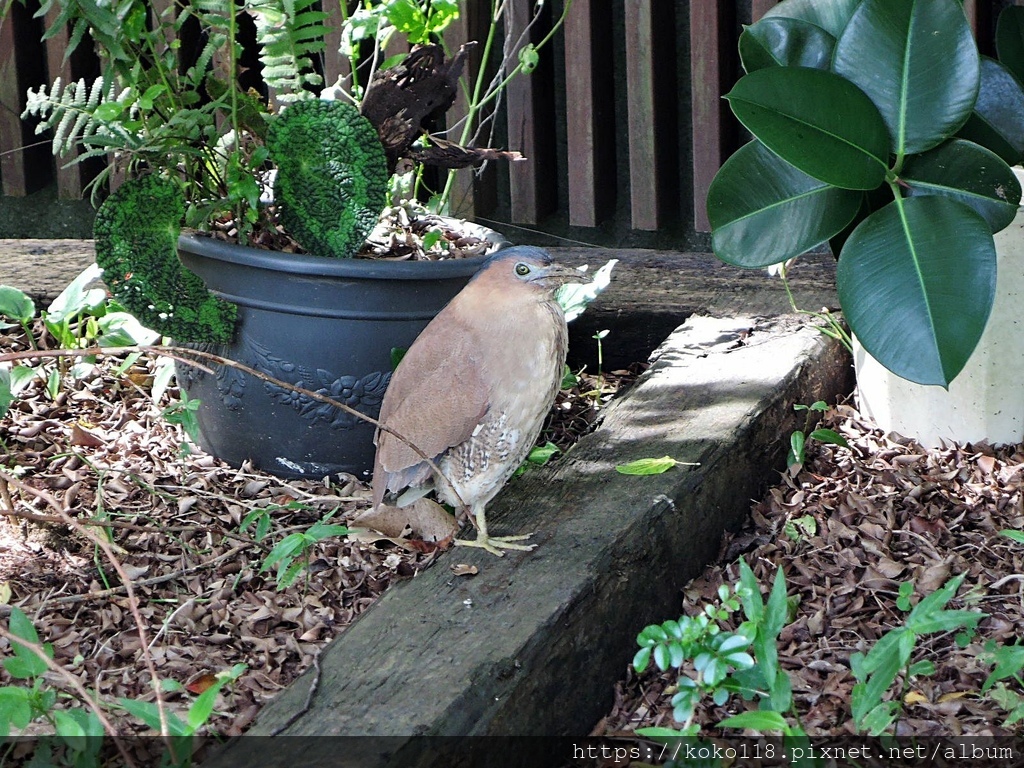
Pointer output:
x,y
589,116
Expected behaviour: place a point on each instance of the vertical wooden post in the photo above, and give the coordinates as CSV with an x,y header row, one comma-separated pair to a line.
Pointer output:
x,y
533,185
709,71
335,65
474,191
589,112
23,168
758,8
644,167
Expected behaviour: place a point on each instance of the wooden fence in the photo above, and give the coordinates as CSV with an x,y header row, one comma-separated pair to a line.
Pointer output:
x,y
623,123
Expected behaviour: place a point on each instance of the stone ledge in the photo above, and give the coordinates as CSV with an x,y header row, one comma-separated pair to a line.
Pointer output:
x,y
533,644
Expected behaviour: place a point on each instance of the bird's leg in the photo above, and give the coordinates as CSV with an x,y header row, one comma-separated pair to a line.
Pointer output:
x,y
494,544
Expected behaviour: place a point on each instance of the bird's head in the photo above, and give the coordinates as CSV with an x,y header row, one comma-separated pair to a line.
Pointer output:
x,y
526,266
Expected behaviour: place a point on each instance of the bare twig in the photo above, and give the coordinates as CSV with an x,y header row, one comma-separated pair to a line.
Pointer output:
x,y
184,354
119,590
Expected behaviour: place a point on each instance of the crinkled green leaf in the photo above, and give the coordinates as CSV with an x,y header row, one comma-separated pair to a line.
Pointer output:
x,y
136,231
332,175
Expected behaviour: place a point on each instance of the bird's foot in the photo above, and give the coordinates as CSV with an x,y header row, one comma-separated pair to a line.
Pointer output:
x,y
494,544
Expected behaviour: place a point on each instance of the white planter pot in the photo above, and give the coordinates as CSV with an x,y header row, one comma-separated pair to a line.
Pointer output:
x,y
986,401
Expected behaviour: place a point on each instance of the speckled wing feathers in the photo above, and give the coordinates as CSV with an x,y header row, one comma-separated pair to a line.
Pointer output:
x,y
421,409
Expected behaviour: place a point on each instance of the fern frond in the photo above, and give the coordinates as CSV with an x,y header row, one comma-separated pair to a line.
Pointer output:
x,y
71,110
289,33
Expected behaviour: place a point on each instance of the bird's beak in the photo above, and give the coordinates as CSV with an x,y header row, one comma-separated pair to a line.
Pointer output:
x,y
556,275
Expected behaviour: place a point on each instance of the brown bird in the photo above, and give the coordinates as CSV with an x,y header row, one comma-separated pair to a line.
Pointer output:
x,y
473,390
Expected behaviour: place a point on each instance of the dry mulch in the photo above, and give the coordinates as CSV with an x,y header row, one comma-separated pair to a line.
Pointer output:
x,y
884,512
101,451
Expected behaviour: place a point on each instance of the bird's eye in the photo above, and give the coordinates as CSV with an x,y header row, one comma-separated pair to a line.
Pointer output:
x,y
522,269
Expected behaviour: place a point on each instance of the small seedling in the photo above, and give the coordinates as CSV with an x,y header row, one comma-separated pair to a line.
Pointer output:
x,y
291,554
724,662
186,413
798,440
78,733
878,669
802,527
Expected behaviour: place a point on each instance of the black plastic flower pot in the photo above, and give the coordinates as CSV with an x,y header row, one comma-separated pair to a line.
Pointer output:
x,y
331,326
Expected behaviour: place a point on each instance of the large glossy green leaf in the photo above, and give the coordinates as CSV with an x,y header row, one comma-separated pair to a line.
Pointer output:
x,y
816,120
763,210
969,173
998,118
830,15
1010,39
785,42
916,282
918,62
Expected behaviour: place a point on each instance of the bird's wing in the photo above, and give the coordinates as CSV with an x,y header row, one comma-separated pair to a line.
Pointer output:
x,y
436,399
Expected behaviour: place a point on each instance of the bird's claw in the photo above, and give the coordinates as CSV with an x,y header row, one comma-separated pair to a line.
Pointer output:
x,y
494,544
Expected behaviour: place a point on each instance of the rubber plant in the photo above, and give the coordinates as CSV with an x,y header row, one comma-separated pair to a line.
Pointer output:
x,y
879,129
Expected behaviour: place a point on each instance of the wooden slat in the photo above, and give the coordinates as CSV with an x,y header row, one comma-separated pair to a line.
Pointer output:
x,y
533,190
335,65
23,169
590,134
474,191
12,161
758,8
707,70
644,167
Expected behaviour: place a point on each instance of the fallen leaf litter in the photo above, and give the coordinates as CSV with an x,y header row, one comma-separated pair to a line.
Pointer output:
x,y
885,512
101,451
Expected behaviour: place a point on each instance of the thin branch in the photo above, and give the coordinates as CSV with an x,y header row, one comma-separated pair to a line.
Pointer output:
x,y
115,591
